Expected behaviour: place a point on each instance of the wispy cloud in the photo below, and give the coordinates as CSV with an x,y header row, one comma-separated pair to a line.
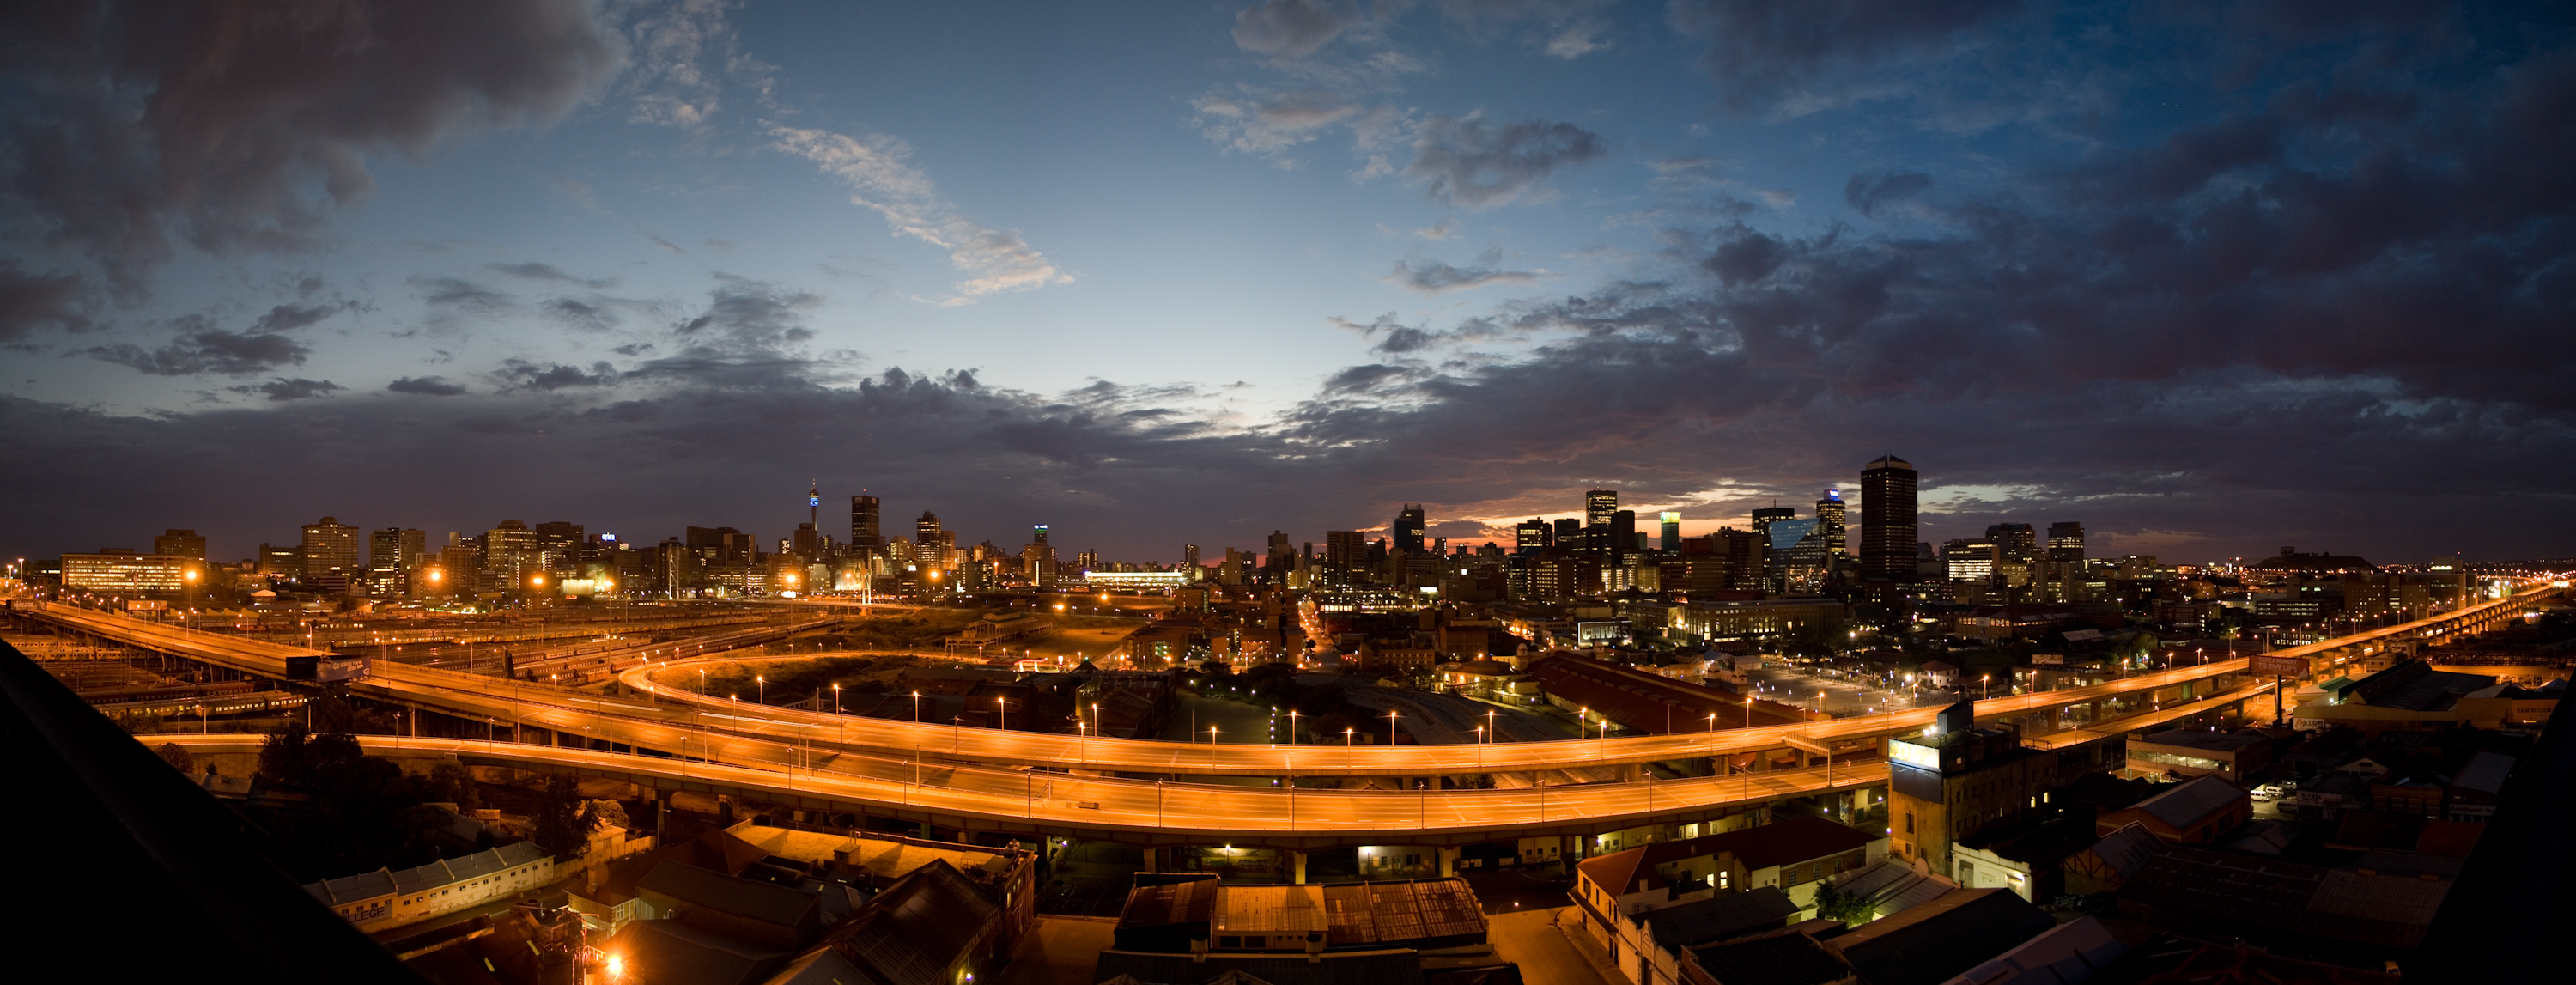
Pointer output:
x,y
879,169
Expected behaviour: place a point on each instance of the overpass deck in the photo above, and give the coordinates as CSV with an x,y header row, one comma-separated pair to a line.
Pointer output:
x,y
496,700
1039,803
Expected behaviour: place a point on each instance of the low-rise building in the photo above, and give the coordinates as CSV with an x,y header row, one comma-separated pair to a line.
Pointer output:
x,y
385,899
1927,944
2186,753
1397,932
2195,811
1793,856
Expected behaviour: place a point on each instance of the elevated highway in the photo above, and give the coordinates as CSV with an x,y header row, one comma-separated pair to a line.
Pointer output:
x,y
1039,803
964,777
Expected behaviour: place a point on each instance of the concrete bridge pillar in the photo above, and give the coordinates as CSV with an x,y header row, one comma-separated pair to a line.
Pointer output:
x,y
1448,861
1296,866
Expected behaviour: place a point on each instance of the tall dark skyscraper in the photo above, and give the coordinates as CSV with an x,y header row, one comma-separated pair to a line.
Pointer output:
x,y
1598,506
1532,534
1887,545
1672,533
1038,534
1829,525
1409,526
2066,541
1623,532
1764,517
866,537
2013,541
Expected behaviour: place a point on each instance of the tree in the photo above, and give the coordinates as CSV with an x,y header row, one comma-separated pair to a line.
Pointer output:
x,y
451,782
563,821
1832,903
177,757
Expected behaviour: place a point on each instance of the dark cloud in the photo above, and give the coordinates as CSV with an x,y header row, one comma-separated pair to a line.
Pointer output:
x,y
1467,161
236,126
427,386
28,301
746,315
1287,28
1871,194
1435,277
207,350
282,390
519,374
583,315
1798,56
454,299
547,272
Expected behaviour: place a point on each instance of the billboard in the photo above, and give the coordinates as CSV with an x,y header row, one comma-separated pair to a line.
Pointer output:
x,y
327,671
2262,666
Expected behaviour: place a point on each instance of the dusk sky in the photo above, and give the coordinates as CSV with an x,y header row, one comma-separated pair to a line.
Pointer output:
x,y
2210,278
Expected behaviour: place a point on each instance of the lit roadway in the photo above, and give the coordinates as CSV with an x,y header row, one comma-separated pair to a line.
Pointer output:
x,y
866,763
1057,805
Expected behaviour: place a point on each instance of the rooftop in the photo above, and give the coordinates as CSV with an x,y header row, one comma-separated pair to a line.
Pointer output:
x,y
2191,801
2204,739
1760,847
1721,917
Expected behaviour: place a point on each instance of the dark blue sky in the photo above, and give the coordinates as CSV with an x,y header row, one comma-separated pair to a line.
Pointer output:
x,y
2211,278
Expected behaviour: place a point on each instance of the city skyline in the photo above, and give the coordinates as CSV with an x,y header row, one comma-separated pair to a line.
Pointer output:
x,y
2210,280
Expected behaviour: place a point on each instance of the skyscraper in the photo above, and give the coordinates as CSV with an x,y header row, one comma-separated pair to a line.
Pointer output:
x,y
1887,544
1038,534
1829,525
330,555
1569,533
1623,532
1532,534
2013,541
180,543
930,542
865,535
1672,540
1598,506
394,555
1345,547
1409,526
1763,518
1190,555
2066,541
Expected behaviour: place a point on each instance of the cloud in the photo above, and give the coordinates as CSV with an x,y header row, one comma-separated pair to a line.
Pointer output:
x,y
1468,162
1871,194
1435,277
879,169
208,350
134,128
1271,124
685,55
583,315
282,390
1437,231
520,374
1286,28
28,301
547,272
1576,41
426,386
1793,57
751,315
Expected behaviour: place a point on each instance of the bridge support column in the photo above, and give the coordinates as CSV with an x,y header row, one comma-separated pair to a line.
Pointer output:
x,y
1448,861
1296,866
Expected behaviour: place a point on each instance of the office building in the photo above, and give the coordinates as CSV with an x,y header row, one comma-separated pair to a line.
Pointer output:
x,y
1829,525
1533,534
1190,555
1622,539
2066,542
1958,778
394,556
511,558
1345,547
867,538
330,555
1598,505
1409,527
126,574
1763,518
1969,560
180,543
2014,542
1672,532
1887,544
930,542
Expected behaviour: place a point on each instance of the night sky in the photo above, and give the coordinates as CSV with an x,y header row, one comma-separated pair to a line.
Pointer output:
x,y
2210,278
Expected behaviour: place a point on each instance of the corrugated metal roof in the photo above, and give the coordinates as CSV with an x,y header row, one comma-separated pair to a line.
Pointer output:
x,y
448,872
2191,800
1270,909
2484,773
2128,849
